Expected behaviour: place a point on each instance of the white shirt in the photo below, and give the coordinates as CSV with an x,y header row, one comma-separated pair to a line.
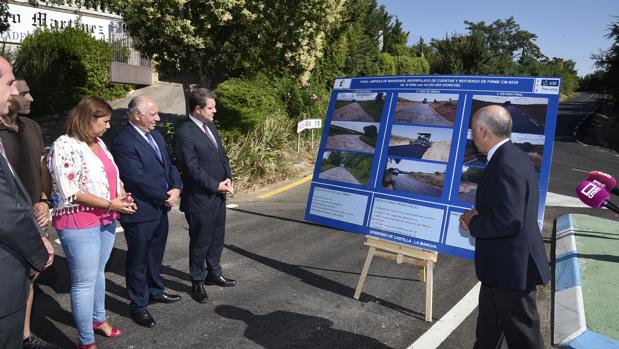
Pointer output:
x,y
202,124
496,146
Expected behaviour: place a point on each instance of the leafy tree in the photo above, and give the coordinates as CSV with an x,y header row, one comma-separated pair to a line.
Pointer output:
x,y
221,38
4,16
608,62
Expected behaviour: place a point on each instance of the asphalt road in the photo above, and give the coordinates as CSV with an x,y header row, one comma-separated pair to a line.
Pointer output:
x,y
409,150
340,174
297,279
348,142
421,114
522,123
411,185
352,112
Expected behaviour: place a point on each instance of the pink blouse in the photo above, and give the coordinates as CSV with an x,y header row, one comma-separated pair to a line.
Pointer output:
x,y
97,216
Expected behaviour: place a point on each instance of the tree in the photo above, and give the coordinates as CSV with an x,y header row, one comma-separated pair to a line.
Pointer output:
x,y
222,38
608,62
4,16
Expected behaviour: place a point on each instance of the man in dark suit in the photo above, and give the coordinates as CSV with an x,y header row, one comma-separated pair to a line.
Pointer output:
x,y
510,259
148,174
23,145
23,245
206,174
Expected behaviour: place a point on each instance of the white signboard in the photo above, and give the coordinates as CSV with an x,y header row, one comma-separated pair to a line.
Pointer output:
x,y
24,20
308,123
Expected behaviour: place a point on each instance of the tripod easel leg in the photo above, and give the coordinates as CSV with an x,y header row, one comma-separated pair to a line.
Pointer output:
x,y
364,272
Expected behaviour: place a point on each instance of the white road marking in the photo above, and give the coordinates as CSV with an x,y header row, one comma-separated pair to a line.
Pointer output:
x,y
558,200
449,322
232,206
579,170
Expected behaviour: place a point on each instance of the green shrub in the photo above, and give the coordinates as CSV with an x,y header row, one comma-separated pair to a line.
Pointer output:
x,y
303,101
63,66
411,65
243,104
262,152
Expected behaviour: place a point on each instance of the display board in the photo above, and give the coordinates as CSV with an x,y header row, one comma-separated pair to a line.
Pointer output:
x,y
397,159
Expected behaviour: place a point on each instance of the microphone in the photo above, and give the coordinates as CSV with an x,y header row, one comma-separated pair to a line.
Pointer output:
x,y
605,180
594,195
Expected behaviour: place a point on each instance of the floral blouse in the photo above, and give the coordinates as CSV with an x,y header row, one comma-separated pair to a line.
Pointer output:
x,y
74,167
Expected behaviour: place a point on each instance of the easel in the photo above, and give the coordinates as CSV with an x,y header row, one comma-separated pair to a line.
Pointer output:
x,y
401,254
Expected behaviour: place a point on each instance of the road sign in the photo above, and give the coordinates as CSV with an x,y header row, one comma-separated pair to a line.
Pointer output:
x,y
308,123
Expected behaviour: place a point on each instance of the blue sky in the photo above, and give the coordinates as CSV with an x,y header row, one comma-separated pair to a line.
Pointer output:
x,y
570,29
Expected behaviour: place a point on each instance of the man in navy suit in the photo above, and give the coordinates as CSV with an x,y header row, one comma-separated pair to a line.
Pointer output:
x,y
510,259
206,177
145,168
24,249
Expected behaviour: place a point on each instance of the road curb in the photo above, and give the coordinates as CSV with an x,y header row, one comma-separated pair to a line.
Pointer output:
x,y
570,325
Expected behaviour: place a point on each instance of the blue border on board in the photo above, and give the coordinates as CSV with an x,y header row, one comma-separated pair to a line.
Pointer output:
x,y
465,87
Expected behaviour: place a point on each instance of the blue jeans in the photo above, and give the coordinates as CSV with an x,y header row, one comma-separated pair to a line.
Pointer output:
x,y
87,252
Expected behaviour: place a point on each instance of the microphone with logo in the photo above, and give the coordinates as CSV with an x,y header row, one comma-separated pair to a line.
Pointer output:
x,y
605,180
593,195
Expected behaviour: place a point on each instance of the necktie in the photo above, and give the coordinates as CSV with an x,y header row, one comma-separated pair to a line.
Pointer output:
x,y
209,134
152,143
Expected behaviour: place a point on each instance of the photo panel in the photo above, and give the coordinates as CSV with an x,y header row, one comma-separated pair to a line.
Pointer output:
x,y
415,177
472,155
469,180
347,167
359,106
420,142
528,113
353,136
533,145
435,109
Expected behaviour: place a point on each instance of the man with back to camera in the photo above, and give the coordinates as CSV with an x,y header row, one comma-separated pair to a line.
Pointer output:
x,y
23,145
148,174
24,249
206,177
510,259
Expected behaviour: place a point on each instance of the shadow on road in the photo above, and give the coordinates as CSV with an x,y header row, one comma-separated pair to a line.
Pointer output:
x,y
321,282
284,329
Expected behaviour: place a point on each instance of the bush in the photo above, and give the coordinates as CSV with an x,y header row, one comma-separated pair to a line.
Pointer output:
x,y
262,152
63,66
303,101
243,104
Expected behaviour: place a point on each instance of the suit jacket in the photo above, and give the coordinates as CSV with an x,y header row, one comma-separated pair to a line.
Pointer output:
x,y
509,251
203,166
21,246
143,174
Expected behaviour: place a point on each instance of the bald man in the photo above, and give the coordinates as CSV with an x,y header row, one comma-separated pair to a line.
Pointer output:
x,y
148,174
24,249
510,259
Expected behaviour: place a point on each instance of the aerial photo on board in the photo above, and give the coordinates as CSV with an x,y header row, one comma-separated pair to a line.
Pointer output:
x,y
528,113
346,167
426,109
359,106
353,136
420,142
417,177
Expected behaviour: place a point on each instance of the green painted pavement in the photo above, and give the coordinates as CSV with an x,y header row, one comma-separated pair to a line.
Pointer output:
x,y
597,243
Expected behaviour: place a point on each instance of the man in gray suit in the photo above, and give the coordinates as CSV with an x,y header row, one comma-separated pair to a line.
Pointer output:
x,y
23,245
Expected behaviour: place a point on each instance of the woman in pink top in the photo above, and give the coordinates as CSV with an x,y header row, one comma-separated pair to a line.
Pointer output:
x,y
87,197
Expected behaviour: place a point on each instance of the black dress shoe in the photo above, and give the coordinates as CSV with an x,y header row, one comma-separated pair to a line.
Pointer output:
x,y
143,318
220,281
198,292
166,298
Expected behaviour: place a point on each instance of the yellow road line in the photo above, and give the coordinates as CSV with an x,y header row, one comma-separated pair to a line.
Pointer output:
x,y
286,187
